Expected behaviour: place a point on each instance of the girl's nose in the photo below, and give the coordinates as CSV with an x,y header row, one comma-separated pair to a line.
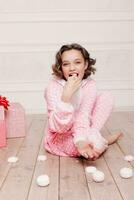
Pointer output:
x,y
72,67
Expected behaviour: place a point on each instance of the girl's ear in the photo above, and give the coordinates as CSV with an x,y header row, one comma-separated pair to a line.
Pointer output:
x,y
86,65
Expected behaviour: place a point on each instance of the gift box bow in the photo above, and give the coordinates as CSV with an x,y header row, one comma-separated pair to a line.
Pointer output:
x,y
4,102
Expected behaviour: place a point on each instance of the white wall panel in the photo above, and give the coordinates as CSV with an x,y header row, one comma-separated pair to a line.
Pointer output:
x,y
38,5
32,31
66,32
24,67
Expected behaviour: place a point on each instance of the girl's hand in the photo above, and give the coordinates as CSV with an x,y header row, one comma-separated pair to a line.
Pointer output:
x,y
72,84
86,150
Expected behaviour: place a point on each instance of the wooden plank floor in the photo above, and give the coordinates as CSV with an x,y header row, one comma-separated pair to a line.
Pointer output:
x,y
68,180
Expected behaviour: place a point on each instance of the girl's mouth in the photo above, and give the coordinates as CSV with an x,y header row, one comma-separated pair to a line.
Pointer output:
x,y
74,74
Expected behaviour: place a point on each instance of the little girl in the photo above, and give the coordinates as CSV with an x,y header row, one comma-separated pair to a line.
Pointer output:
x,y
76,113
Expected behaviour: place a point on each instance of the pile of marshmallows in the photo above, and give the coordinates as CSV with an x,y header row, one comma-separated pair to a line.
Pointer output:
x,y
98,176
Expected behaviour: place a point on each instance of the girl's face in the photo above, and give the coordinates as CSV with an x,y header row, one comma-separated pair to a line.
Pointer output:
x,y
73,63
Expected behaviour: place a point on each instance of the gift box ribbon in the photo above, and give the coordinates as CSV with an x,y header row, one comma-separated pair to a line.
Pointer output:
x,y
4,102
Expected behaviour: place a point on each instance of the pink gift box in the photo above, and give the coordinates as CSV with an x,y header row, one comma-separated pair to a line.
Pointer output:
x,y
15,121
2,127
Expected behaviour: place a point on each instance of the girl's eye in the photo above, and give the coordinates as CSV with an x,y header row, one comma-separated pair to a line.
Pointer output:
x,y
65,64
78,62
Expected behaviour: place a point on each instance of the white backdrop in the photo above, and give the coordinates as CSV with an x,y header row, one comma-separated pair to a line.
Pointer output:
x,y
32,31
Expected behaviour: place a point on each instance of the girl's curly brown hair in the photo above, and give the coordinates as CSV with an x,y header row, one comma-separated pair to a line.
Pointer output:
x,y
57,69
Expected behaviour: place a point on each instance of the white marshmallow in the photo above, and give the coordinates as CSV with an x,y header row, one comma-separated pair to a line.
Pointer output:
x,y
43,180
90,169
129,158
42,158
98,176
126,172
12,159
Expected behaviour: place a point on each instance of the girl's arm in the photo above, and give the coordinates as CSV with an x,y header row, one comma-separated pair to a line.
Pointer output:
x,y
60,114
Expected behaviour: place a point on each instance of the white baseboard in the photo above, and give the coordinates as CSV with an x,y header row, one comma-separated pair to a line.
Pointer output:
x,y
116,109
124,108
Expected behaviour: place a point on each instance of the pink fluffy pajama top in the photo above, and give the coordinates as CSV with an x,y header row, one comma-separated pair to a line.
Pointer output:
x,y
79,120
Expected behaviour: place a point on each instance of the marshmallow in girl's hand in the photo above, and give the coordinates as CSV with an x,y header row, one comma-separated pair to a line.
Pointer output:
x,y
126,172
98,176
43,180
12,159
42,158
129,158
90,169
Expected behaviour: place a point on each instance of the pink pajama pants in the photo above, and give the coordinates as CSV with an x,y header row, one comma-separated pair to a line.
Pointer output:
x,y
100,114
63,144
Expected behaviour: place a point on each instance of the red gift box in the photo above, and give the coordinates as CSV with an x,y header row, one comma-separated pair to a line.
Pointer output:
x,y
2,127
15,121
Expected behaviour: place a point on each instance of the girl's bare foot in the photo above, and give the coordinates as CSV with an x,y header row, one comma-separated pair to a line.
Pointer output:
x,y
114,137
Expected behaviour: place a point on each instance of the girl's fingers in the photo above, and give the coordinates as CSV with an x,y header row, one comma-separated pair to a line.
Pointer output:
x,y
74,77
90,155
87,154
96,154
84,154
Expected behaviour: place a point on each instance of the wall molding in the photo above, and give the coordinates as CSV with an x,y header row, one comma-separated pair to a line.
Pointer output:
x,y
52,47
39,86
72,16
116,109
